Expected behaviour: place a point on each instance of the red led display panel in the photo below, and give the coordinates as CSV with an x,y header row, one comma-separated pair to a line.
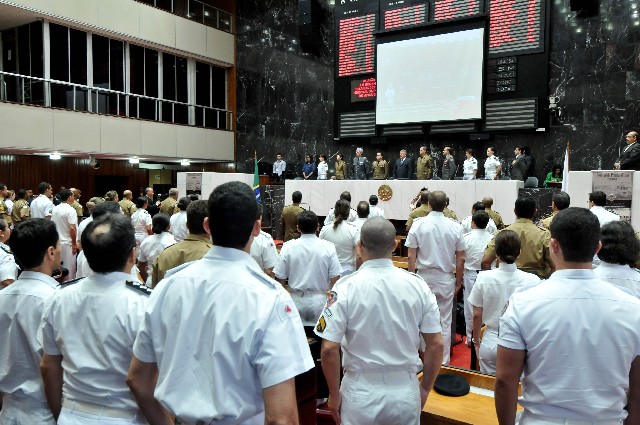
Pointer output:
x,y
406,16
452,9
515,26
363,90
356,45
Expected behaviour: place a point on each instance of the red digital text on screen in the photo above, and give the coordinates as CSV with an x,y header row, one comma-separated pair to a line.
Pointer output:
x,y
451,9
365,90
356,45
507,19
411,15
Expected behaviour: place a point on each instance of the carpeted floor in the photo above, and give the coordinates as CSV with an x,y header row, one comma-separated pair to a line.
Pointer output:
x,y
461,355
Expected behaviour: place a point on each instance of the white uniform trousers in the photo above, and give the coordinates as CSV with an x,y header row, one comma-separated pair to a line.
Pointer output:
x,y
529,418
488,352
80,413
309,304
68,260
443,286
469,279
391,398
25,410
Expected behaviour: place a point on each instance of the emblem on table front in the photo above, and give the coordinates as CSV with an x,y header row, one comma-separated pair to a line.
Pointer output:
x,y
385,192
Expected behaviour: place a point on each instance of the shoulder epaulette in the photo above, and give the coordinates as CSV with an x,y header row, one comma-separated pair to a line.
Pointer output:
x,y
262,277
70,282
6,249
137,286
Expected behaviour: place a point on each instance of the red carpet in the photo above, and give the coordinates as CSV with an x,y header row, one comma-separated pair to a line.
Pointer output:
x,y
461,355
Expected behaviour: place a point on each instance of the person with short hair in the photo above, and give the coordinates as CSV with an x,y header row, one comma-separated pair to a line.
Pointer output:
x,y
559,201
360,167
470,166
66,220
84,368
619,254
289,217
495,215
5,212
42,207
36,246
403,168
629,159
421,211
597,202
343,235
279,167
466,222
8,268
380,167
436,250
263,250
374,209
309,266
380,367
170,205
353,215
21,210
141,220
323,167
127,204
154,245
240,342
572,340
448,165
77,194
492,165
363,214
520,165
178,221
424,165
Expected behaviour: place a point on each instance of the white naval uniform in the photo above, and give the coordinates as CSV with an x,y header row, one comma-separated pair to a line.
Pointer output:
x,y
243,334
140,220
622,276
378,315
308,263
491,292
375,211
581,336
468,167
264,251
437,238
466,225
330,218
359,222
323,168
491,167
474,244
151,248
96,355
84,269
41,207
603,215
21,307
8,267
83,225
178,223
64,216
345,237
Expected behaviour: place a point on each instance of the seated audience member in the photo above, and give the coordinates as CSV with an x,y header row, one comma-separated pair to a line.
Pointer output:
x,y
571,340
8,267
495,215
475,242
466,222
559,201
35,244
489,297
141,220
363,214
310,267
264,251
352,214
374,209
178,221
555,175
344,236
153,246
619,253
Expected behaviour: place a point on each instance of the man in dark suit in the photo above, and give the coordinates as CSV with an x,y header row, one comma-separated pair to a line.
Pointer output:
x,y
404,167
630,156
519,166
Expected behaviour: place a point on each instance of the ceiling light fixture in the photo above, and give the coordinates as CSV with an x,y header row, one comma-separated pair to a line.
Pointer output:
x,y
55,155
134,160
185,162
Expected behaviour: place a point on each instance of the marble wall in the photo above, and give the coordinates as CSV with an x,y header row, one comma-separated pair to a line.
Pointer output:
x,y
285,97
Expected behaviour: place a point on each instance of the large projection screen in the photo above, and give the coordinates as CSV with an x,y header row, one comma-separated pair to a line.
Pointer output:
x,y
431,78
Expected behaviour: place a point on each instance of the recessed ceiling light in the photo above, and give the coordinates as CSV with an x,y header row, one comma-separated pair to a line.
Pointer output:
x,y
55,155
134,160
185,162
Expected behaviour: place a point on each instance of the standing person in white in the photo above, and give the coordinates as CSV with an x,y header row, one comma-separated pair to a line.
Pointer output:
x,y
66,220
466,222
380,384
310,266
363,214
474,244
597,202
490,294
344,236
352,213
575,338
619,255
264,251
469,166
492,165
178,220
436,250
35,243
8,268
323,168
84,367
153,246
279,166
141,220
221,342
42,207
374,209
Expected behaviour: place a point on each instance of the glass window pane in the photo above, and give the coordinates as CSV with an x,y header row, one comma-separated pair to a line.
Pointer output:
x,y
167,111
164,5
59,49
100,61
24,59
37,60
136,69
203,84
151,72
78,58
168,77
181,115
219,87
117,65
147,109
182,94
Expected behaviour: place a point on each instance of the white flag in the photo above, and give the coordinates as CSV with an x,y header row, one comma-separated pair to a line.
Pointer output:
x,y
565,171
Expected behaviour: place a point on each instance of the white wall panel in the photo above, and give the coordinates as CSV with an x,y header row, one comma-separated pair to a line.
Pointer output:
x,y
220,145
157,26
191,37
191,142
77,132
221,46
26,126
158,139
120,135
79,10
120,16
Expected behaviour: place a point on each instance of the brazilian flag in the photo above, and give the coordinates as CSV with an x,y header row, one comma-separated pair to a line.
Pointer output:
x,y
256,179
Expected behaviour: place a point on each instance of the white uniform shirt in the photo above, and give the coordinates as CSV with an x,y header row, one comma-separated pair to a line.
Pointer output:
x,y
21,306
378,314
178,223
581,336
9,204
621,276
491,167
353,215
264,251
474,244
244,334
83,225
279,167
468,167
308,263
437,239
358,223
323,168
152,247
493,289
375,211
603,215
64,216
8,267
97,354
466,225
345,237
41,207
140,220
84,270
